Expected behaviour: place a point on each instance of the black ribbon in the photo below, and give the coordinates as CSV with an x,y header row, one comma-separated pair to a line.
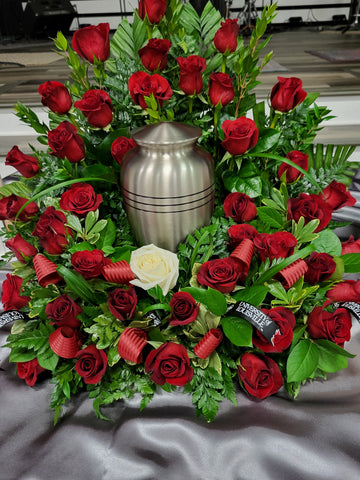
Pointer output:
x,y
11,316
352,307
257,318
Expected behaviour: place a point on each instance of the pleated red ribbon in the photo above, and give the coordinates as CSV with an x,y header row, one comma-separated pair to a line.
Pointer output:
x,y
131,344
244,252
118,272
65,342
45,270
291,274
208,343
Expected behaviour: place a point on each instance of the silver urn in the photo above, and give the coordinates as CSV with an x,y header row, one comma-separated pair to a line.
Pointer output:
x,y
167,184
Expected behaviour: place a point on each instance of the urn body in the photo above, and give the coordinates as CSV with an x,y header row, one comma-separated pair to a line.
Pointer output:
x,y
167,184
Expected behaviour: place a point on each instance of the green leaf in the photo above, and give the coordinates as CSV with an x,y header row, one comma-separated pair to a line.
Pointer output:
x,y
254,295
77,284
351,262
21,355
334,348
48,359
330,361
73,222
302,361
16,188
214,300
238,331
271,217
252,186
269,137
327,241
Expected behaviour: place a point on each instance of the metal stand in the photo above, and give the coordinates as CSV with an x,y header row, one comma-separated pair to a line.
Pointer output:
x,y
354,15
248,15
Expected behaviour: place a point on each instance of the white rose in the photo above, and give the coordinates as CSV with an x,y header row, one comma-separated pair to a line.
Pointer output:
x,y
153,266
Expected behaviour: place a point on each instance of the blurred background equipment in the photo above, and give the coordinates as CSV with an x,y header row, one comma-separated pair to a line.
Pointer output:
x,y
47,17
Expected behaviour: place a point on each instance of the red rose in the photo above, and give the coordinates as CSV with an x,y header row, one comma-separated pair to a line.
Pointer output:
x,y
337,196
260,375
154,55
241,135
226,38
89,263
154,10
21,248
220,274
97,107
63,312
169,363
11,296
285,321
275,245
141,85
51,231
80,199
122,303
184,309
320,267
29,371
65,142
26,165
240,207
350,245
311,207
237,233
287,94
120,146
92,41
333,326
191,68
55,96
91,365
347,291
9,207
292,174
221,89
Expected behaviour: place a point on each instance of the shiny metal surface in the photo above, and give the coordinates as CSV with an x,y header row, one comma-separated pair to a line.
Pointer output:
x,y
167,184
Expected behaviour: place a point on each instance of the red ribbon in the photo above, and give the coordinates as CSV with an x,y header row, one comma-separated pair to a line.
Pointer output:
x,y
244,252
64,341
208,343
118,272
45,270
131,344
291,274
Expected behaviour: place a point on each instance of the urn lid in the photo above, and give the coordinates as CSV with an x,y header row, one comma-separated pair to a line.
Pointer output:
x,y
166,133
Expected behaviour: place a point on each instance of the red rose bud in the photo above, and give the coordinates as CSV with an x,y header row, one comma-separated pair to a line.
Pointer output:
x,y
120,146
244,252
291,274
11,293
208,343
52,232
65,342
80,199
131,344
92,41
118,272
89,263
66,143
169,363
21,248
29,371
241,135
260,375
220,274
154,10
237,233
333,326
141,85
45,271
337,196
226,38
97,107
26,165
191,68
184,309
122,303
311,207
221,89
55,96
347,291
320,267
91,365
9,207
275,245
154,55
63,312
285,321
287,94
240,207
292,174
350,246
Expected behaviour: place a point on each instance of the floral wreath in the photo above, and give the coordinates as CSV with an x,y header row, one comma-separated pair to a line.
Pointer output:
x,y
256,298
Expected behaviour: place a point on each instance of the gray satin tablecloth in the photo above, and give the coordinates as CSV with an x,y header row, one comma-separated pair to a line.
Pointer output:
x,y
316,437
